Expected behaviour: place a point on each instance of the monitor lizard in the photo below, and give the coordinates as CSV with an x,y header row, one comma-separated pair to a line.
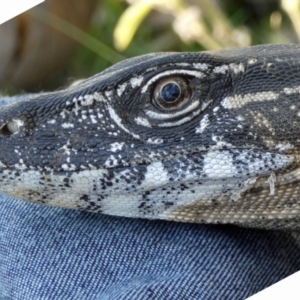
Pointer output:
x,y
205,137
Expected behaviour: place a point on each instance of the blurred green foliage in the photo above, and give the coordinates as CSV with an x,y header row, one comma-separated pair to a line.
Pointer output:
x,y
125,29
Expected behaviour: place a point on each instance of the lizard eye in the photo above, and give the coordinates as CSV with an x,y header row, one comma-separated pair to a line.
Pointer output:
x,y
10,127
172,93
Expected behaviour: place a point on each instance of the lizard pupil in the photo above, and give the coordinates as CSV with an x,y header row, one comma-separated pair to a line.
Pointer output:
x,y
170,92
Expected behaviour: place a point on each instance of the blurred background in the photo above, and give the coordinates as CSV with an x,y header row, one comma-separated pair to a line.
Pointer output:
x,y
60,41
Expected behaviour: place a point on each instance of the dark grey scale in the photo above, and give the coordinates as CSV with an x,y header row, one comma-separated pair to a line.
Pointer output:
x,y
179,168
107,181
261,77
86,203
131,175
85,198
240,161
148,206
145,205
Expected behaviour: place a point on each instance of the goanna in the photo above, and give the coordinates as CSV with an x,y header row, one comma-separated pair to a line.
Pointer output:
x,y
209,137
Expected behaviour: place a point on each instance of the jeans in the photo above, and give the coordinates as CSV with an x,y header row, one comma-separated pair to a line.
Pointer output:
x,y
54,253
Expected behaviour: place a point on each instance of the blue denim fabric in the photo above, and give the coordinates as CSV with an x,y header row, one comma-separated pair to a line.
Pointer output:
x,y
52,253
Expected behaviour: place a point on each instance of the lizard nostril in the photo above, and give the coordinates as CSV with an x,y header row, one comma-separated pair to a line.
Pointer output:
x,y
10,127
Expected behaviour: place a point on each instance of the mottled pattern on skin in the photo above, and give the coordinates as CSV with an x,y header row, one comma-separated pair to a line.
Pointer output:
x,y
229,154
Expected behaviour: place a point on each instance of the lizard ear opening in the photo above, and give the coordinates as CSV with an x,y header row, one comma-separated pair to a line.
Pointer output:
x,y
10,127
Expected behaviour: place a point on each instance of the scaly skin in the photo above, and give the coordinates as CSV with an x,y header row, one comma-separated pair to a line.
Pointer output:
x,y
209,137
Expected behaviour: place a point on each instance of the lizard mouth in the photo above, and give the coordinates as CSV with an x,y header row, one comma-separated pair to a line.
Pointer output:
x,y
219,169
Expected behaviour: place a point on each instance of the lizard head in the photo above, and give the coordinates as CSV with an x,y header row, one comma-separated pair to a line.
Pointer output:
x,y
180,136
